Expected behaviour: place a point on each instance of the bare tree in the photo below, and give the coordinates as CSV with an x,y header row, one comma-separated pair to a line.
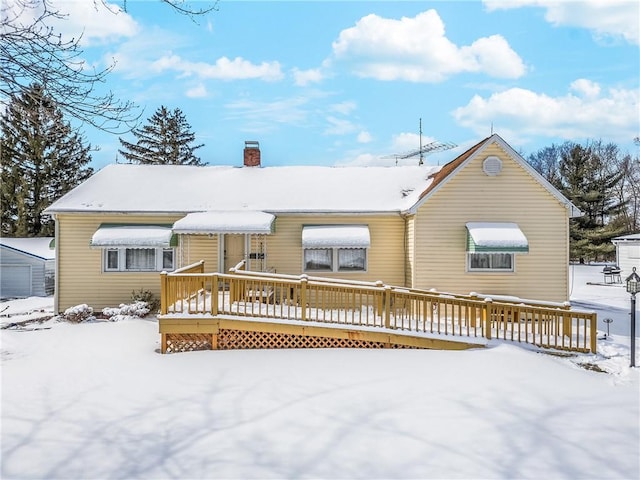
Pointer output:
x,y
32,52
183,7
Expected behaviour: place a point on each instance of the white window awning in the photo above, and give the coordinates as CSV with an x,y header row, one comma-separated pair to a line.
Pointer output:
x,y
133,236
340,236
496,237
226,222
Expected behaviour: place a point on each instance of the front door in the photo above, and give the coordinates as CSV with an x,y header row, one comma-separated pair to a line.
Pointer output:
x,y
233,250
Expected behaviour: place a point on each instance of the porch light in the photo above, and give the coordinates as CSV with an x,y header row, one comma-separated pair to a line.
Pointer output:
x,y
633,282
633,287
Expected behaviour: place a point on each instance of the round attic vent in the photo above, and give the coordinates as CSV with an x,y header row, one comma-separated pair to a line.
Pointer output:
x,y
492,166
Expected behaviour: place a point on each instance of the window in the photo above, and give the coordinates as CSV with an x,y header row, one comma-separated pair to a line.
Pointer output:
x,y
318,259
483,262
335,259
111,259
352,259
167,259
335,248
138,259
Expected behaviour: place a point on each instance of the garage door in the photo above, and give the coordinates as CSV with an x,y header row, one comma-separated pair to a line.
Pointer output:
x,y
15,281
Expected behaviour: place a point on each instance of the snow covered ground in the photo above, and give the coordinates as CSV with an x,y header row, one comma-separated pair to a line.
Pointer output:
x,y
97,400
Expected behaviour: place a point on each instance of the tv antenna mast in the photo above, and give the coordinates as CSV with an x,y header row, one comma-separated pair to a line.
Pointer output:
x,y
431,147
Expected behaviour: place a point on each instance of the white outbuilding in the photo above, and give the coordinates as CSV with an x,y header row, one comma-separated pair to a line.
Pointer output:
x,y
628,253
27,267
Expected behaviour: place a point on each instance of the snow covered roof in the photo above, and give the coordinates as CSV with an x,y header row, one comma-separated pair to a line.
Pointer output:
x,y
345,236
496,237
132,236
225,222
185,189
37,247
634,237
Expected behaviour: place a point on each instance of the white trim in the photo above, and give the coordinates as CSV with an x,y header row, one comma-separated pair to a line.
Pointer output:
x,y
335,267
121,260
469,269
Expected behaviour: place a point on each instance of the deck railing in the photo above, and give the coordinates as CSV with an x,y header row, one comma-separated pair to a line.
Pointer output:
x,y
190,292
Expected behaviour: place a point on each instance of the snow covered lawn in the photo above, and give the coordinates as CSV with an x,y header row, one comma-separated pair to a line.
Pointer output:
x,y
97,400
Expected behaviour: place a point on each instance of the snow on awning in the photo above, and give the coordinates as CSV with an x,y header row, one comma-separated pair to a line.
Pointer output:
x,y
133,236
341,236
496,238
226,222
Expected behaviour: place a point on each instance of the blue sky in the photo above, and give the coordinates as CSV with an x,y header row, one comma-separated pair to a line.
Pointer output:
x,y
334,83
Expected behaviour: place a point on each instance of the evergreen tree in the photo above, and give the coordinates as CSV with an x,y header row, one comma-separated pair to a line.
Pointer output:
x,y
166,140
585,181
41,159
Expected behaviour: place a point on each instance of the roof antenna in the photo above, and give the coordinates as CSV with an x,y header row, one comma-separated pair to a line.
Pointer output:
x,y
432,147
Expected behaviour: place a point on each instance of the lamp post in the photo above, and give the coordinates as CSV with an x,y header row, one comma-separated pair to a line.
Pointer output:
x,y
633,287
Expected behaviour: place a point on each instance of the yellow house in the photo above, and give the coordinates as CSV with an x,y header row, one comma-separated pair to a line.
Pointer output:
x,y
486,222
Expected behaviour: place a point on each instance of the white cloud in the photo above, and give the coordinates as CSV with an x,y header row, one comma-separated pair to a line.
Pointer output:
x,y
417,49
605,18
222,69
198,91
364,137
345,108
585,87
339,126
94,21
409,142
303,78
261,117
520,113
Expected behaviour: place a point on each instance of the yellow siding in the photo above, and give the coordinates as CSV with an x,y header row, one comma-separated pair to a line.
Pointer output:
x,y
511,196
80,276
386,256
81,279
194,248
410,247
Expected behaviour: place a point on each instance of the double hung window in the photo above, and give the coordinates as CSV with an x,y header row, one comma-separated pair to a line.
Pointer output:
x,y
481,262
335,248
138,259
335,259
492,246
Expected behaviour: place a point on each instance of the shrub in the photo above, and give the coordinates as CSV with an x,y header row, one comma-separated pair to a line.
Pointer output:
x,y
136,309
78,313
146,296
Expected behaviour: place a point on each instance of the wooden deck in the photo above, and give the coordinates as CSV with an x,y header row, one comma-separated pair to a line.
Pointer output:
x,y
260,310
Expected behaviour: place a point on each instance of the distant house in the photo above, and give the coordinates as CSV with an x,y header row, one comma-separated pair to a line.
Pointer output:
x,y
27,267
628,253
485,222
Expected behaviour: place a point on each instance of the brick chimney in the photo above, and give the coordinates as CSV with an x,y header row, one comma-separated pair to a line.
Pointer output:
x,y
251,154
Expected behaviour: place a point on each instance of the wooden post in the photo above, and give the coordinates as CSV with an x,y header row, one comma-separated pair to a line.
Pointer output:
x,y
214,294
380,300
473,323
163,347
163,294
304,281
387,306
486,317
566,324
232,291
214,341
594,333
